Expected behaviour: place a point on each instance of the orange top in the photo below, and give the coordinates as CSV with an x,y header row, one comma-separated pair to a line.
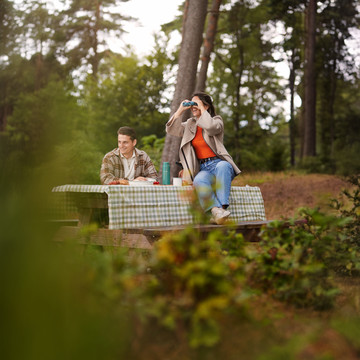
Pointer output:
x,y
202,149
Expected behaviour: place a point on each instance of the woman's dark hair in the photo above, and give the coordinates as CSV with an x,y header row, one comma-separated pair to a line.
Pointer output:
x,y
207,100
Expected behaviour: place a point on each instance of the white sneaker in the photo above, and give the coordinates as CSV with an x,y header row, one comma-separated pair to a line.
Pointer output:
x,y
219,215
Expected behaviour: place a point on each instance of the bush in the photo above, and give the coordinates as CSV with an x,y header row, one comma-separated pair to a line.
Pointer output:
x,y
194,280
289,266
351,211
347,160
296,264
314,165
153,146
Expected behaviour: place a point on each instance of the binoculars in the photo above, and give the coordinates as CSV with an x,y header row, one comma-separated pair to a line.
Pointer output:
x,y
189,103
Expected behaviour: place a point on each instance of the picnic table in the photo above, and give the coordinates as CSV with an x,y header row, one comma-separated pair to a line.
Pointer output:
x,y
150,210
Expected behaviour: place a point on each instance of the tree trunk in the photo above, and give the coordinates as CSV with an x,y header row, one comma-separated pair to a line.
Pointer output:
x,y
192,35
39,66
310,82
292,120
208,45
95,60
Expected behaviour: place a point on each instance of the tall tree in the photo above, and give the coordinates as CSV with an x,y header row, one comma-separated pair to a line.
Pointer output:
x,y
290,14
208,44
192,34
244,81
26,60
335,64
86,23
8,28
294,65
38,35
309,142
7,46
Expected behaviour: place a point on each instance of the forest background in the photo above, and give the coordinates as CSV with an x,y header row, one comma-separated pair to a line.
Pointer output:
x,y
64,93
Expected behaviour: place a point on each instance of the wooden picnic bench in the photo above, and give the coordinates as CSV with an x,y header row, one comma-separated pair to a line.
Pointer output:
x,y
136,217
144,238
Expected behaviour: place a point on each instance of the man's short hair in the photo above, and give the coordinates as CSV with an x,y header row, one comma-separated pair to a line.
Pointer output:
x,y
126,130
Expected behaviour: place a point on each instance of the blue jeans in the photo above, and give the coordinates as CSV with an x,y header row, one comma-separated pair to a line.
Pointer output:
x,y
213,183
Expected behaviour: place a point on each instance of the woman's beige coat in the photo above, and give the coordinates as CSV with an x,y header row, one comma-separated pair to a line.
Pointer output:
x,y
213,133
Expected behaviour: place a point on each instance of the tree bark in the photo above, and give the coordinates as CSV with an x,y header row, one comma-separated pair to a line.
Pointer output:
x,y
208,45
192,35
310,82
95,60
292,117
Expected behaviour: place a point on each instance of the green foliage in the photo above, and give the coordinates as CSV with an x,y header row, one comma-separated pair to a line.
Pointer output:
x,y
351,211
331,244
39,122
278,154
296,264
50,294
127,93
347,129
87,22
347,160
194,282
186,284
153,146
7,27
313,164
259,149
191,280
51,128
287,269
349,327
103,301
79,160
244,84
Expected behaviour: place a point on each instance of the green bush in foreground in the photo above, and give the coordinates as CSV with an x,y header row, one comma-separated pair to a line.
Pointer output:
x,y
297,263
352,212
194,280
293,262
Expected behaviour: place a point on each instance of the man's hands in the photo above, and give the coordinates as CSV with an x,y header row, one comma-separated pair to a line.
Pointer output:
x,y
141,178
119,182
126,182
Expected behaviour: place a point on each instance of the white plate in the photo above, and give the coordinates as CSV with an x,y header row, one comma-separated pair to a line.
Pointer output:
x,y
141,183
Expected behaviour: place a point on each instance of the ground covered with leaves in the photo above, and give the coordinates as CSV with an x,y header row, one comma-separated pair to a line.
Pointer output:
x,y
285,192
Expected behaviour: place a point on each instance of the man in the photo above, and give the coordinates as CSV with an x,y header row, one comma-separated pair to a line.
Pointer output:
x,y
126,162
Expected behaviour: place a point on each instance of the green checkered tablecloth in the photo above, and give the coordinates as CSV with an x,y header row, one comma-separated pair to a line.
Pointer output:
x,y
63,206
158,205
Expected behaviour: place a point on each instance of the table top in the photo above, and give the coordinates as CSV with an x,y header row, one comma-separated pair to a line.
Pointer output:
x,y
165,205
82,188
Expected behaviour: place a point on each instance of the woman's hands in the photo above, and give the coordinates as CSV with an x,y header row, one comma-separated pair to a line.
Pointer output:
x,y
197,110
181,108
200,104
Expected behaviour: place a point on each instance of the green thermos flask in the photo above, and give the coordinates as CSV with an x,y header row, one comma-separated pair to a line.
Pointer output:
x,y
166,173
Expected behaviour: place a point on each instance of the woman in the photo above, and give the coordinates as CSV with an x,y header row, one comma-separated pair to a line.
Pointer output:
x,y
205,160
